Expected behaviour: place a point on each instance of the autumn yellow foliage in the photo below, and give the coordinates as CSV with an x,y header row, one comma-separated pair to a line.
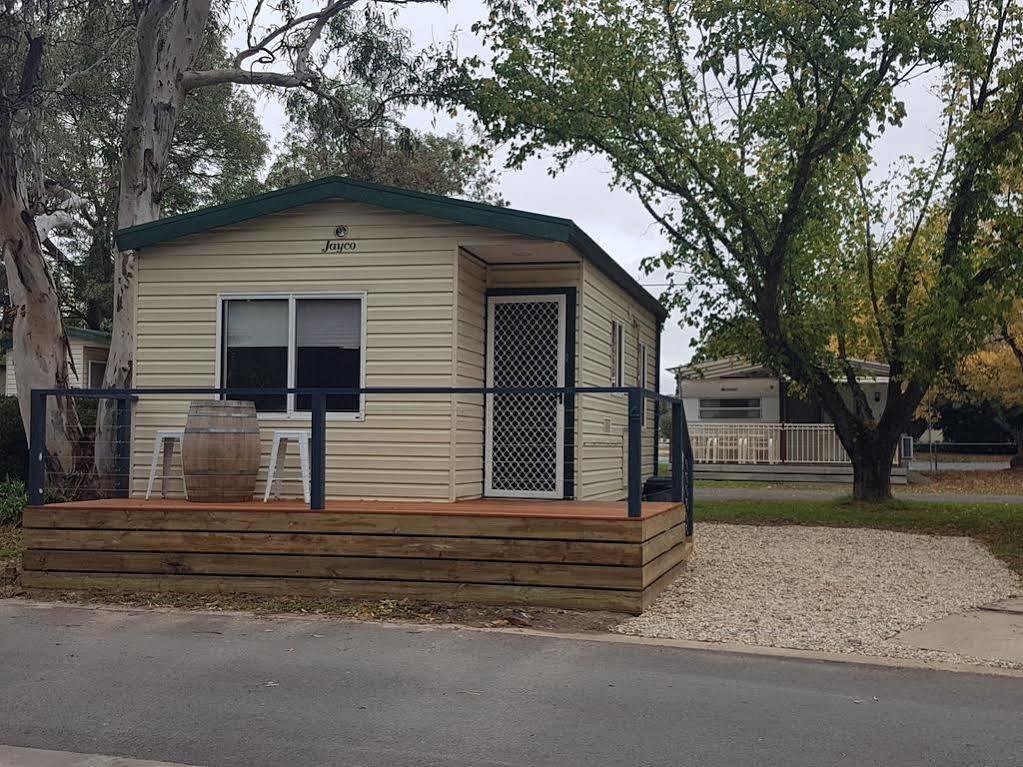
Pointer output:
x,y
995,373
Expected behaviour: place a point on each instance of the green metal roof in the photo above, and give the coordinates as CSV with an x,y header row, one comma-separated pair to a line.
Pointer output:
x,y
80,334
86,334
447,208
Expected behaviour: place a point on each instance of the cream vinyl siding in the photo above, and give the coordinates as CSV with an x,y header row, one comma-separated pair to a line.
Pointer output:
x,y
470,371
604,418
82,353
406,265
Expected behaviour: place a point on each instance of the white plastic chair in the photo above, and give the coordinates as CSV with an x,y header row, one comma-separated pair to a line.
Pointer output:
x,y
164,443
277,455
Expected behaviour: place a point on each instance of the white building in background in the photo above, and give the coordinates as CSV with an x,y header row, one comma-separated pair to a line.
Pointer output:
x,y
733,389
88,352
740,413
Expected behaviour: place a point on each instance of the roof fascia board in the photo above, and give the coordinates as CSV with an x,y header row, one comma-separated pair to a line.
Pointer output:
x,y
460,211
585,244
88,334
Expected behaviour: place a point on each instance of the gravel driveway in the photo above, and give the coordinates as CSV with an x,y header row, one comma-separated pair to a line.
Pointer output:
x,y
824,589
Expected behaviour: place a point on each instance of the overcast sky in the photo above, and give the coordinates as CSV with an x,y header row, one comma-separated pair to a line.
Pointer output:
x,y
614,218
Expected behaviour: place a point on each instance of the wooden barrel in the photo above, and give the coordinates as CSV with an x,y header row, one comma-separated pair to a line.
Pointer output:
x,y
220,451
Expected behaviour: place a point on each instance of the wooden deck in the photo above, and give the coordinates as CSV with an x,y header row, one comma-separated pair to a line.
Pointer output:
x,y
542,553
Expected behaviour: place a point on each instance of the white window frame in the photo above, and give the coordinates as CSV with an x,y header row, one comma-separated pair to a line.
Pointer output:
x,y
88,383
290,414
617,353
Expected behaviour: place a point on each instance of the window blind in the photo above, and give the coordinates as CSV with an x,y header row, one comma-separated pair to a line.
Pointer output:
x,y
257,323
332,322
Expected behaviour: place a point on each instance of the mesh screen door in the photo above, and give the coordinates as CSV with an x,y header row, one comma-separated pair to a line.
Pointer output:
x,y
525,436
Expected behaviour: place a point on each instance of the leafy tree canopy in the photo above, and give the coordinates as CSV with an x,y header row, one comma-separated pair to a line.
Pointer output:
x,y
747,129
320,142
220,151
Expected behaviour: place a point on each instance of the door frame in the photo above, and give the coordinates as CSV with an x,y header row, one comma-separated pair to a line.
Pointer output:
x,y
568,427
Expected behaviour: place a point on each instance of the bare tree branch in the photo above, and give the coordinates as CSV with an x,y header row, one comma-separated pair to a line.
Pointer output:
x,y
263,46
267,49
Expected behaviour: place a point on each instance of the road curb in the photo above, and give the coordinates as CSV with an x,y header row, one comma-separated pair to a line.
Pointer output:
x,y
750,650
731,648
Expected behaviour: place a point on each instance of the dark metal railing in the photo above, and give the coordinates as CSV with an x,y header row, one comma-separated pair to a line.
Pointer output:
x,y
681,449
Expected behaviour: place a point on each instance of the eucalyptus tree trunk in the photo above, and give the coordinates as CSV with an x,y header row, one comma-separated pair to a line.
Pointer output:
x,y
40,347
168,35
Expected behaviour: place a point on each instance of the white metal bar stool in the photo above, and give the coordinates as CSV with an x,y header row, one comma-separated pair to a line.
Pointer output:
x,y
277,455
164,443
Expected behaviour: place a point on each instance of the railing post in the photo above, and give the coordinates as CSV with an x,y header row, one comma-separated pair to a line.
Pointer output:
x,y
677,467
657,437
37,448
635,467
318,448
688,463
122,482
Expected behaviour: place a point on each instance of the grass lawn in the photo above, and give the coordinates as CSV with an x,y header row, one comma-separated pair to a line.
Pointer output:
x,y
1000,528
752,484
1003,482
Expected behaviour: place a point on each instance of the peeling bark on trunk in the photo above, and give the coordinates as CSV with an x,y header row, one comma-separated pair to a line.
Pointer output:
x,y
168,35
40,347
120,366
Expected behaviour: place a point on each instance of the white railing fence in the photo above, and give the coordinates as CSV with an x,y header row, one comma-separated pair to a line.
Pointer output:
x,y
767,443
813,443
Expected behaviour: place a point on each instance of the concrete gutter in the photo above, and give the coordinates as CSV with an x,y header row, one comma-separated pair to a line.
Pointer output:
x,y
612,638
12,756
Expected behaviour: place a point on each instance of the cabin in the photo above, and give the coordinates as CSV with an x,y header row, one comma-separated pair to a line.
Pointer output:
x,y
89,350
406,307
345,284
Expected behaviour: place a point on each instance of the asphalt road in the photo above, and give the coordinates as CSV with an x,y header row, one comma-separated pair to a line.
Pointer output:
x,y
231,690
